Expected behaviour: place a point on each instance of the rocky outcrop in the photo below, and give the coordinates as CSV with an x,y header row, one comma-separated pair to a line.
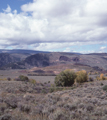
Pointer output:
x,y
76,59
38,60
64,58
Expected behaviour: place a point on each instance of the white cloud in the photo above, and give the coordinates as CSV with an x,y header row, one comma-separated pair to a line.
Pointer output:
x,y
67,50
96,7
89,51
51,46
8,9
103,47
54,24
15,11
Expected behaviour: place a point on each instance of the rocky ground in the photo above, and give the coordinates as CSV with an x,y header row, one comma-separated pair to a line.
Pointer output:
x,y
28,101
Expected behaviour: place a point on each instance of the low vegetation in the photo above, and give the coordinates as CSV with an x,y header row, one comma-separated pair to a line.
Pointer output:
x,y
81,76
65,78
101,77
69,77
27,99
105,88
23,78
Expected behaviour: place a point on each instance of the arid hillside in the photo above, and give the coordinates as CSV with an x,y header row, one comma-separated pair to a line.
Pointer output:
x,y
53,63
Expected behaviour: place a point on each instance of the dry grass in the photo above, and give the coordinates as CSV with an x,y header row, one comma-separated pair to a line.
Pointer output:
x,y
26,101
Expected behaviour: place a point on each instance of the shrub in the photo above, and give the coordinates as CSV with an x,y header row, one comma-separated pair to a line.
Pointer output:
x,y
65,78
5,117
33,81
52,90
101,84
96,73
19,116
91,79
102,77
44,91
8,78
81,76
25,108
3,107
23,78
59,114
89,73
11,102
105,88
97,77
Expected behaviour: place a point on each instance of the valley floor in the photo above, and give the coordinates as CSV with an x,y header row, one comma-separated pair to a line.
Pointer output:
x,y
4,74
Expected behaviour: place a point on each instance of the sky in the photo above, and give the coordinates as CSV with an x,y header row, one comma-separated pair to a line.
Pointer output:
x,y
54,25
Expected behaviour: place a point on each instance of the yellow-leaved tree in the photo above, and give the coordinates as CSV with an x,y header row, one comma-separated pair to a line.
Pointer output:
x,y
82,76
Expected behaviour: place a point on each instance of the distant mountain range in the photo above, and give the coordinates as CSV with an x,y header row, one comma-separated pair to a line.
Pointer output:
x,y
28,59
21,51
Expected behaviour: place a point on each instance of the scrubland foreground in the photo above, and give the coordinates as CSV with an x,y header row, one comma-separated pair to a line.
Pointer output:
x,y
28,101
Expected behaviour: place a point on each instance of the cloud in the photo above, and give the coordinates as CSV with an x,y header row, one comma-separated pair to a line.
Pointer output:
x,y
8,9
54,24
103,47
89,51
67,50
51,46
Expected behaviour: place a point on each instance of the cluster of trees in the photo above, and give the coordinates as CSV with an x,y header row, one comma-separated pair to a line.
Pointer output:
x,y
101,77
69,77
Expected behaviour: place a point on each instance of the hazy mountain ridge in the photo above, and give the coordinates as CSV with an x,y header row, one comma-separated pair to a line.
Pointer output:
x,y
21,51
6,58
24,60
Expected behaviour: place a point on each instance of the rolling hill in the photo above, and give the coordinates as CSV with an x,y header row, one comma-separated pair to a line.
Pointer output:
x,y
29,59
